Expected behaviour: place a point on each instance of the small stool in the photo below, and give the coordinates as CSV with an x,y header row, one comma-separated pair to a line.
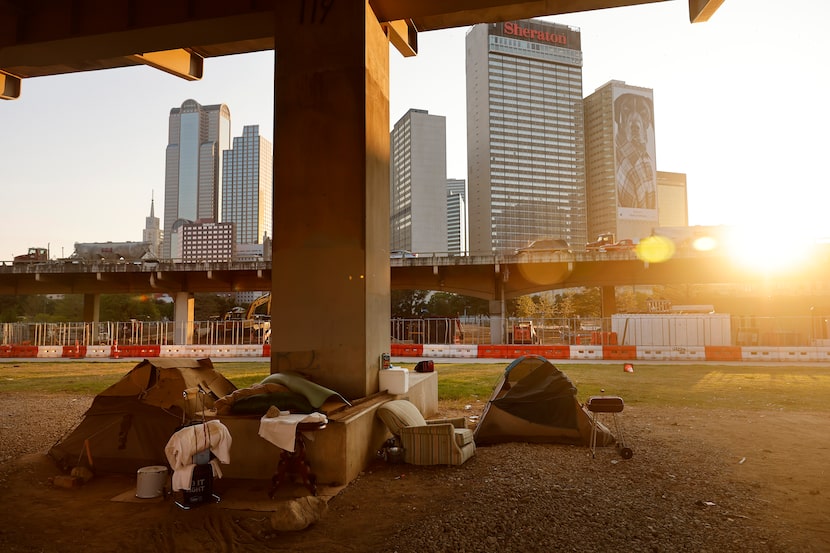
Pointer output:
x,y
607,404
295,462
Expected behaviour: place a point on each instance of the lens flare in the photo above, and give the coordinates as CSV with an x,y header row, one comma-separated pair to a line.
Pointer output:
x,y
655,249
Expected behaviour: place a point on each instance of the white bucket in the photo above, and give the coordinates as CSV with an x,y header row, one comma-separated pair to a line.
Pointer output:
x,y
151,482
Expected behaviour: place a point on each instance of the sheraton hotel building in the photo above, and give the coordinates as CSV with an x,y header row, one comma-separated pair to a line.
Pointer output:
x,y
525,135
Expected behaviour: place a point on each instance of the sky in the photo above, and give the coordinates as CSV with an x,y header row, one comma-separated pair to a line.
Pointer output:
x,y
740,106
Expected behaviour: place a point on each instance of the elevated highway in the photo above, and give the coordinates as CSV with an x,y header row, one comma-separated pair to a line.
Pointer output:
x,y
490,277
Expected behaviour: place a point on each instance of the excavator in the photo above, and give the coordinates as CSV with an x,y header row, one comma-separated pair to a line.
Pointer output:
x,y
241,320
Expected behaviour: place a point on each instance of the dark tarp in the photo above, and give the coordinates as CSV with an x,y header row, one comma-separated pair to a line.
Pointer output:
x,y
536,402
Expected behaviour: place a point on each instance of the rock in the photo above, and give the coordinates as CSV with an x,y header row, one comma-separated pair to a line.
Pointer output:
x,y
298,514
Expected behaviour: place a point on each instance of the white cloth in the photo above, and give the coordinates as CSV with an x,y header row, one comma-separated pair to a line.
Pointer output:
x,y
281,431
189,441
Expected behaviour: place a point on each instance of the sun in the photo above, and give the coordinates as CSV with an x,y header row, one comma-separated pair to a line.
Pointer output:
x,y
769,249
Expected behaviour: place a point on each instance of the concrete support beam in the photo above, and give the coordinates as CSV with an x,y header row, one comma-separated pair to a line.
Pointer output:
x,y
92,308
179,62
183,303
609,301
331,279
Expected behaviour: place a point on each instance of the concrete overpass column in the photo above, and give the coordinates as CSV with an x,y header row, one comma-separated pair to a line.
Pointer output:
x,y
609,301
92,315
330,278
497,321
183,318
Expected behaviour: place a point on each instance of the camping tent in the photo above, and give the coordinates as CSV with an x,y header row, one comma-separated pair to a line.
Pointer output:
x,y
129,423
536,402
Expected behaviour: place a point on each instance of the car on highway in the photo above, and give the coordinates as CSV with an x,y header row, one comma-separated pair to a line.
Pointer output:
x,y
546,245
626,244
402,254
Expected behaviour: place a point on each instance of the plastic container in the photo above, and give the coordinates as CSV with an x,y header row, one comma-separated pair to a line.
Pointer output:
x,y
151,482
395,380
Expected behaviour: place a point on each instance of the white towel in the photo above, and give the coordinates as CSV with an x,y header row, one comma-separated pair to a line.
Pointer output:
x,y
281,431
189,441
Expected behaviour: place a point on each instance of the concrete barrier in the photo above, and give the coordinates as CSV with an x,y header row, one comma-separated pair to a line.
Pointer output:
x,y
48,352
407,350
723,353
759,354
98,352
620,353
797,355
688,353
586,352
654,353
463,351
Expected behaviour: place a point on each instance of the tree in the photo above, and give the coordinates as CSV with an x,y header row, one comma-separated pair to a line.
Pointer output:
x,y
447,304
407,304
211,305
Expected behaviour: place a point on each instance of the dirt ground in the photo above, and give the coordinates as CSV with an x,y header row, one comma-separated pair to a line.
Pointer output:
x,y
777,463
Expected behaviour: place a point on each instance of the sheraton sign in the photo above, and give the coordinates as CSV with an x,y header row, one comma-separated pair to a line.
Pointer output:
x,y
515,29
562,36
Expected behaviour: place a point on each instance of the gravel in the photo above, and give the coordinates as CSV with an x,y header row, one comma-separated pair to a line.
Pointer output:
x,y
672,496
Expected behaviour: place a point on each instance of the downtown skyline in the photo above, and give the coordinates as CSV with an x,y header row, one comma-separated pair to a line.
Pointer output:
x,y
738,108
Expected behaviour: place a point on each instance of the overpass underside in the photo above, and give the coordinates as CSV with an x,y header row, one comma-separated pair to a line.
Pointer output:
x,y
331,102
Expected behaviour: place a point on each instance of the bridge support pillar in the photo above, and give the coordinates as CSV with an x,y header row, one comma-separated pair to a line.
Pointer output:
x,y
92,308
331,277
609,301
183,304
497,321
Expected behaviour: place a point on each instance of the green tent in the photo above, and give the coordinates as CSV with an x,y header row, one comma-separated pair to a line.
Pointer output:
x,y
536,402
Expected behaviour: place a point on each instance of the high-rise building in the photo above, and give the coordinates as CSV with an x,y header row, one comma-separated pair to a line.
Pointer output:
x,y
203,241
418,198
457,229
620,161
247,186
672,200
152,231
192,184
525,142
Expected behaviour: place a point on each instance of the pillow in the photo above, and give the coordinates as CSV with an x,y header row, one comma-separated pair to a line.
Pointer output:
x,y
399,413
259,404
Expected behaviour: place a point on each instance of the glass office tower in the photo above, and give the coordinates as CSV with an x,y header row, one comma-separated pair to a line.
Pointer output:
x,y
247,186
525,138
192,183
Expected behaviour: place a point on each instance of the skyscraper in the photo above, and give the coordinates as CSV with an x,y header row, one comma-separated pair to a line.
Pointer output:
x,y
247,186
621,161
418,199
152,232
192,183
525,141
672,200
457,228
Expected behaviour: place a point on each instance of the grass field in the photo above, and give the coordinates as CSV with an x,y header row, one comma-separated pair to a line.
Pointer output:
x,y
776,387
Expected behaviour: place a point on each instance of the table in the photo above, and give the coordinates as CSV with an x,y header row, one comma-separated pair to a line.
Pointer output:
x,y
295,463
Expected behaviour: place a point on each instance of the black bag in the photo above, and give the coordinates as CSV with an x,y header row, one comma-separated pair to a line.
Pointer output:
x,y
425,367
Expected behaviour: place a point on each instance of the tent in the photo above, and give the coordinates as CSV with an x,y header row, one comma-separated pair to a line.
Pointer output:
x,y
129,423
536,402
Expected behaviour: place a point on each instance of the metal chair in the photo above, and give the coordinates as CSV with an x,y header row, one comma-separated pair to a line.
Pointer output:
x,y
613,405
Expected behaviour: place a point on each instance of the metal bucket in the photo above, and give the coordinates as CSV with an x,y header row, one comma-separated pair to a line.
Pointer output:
x,y
150,482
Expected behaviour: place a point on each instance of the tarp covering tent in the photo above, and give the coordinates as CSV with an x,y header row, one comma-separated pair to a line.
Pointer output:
x,y
129,423
536,402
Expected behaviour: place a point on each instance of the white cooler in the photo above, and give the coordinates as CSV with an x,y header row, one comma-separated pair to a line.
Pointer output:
x,y
395,380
